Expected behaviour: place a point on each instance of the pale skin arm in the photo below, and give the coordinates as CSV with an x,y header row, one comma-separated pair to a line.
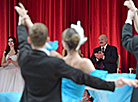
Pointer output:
x,y
9,60
25,19
136,22
120,82
28,22
3,60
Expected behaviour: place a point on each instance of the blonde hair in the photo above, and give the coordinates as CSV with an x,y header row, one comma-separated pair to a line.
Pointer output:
x,y
38,34
71,37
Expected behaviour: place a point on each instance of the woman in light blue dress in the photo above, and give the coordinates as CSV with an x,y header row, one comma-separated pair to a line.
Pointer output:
x,y
72,39
72,92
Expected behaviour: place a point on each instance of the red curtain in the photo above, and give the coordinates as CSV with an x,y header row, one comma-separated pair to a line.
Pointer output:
x,y
96,16
7,22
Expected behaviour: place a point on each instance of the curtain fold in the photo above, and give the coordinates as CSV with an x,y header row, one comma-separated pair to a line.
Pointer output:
x,y
97,17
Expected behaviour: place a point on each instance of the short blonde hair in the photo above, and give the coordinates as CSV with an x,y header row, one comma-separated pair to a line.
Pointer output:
x,y
38,34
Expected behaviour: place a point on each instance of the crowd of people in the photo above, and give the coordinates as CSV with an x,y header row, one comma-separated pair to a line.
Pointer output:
x,y
43,75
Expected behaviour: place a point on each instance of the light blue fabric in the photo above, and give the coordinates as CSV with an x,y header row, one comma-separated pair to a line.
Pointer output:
x,y
10,97
100,74
71,92
52,45
119,95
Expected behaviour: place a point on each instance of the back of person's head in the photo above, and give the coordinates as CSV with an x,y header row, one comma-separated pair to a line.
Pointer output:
x,y
38,34
71,37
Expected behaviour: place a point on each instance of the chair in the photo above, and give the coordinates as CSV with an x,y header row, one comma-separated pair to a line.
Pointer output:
x,y
118,69
131,70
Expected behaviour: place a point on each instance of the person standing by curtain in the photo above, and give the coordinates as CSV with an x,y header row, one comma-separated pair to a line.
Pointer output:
x,y
10,76
11,50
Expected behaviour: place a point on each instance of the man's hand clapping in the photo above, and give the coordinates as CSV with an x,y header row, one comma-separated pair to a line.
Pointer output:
x,y
99,55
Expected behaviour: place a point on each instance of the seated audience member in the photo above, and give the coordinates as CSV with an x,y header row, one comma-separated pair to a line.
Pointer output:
x,y
105,57
10,76
43,73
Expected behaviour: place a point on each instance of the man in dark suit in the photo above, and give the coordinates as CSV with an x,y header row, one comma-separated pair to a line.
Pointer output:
x,y
105,57
43,73
130,42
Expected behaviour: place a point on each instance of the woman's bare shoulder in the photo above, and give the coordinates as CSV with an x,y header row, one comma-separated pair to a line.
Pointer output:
x,y
87,65
86,60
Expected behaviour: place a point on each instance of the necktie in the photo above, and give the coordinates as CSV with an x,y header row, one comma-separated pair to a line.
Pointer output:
x,y
102,65
103,49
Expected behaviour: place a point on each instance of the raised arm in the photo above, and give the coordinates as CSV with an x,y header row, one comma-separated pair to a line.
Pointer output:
x,y
129,42
23,15
131,6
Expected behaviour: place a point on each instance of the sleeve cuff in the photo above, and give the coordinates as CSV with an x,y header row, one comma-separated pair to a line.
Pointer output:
x,y
128,21
103,57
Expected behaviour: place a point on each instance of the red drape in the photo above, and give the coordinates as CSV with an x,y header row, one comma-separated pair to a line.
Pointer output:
x,y
96,16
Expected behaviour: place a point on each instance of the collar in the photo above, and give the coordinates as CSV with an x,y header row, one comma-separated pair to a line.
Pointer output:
x,y
44,50
104,46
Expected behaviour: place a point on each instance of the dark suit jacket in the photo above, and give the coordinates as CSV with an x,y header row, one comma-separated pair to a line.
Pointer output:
x,y
110,61
43,73
131,44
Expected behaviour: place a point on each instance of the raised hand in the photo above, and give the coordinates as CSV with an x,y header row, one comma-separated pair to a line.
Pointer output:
x,y
97,56
23,17
130,4
132,15
21,10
